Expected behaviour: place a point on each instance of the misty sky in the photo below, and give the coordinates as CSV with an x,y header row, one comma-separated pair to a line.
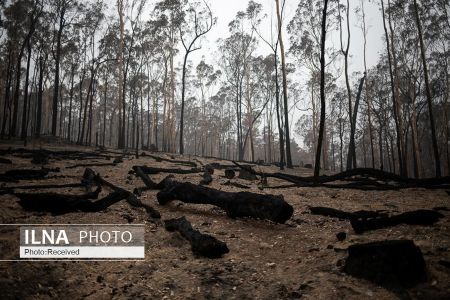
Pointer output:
x,y
225,11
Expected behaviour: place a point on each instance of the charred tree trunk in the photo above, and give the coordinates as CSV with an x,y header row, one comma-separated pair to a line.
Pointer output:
x,y
62,23
69,129
285,97
322,90
242,204
277,103
121,104
104,109
25,95
7,104
202,244
81,105
12,130
437,160
88,95
394,95
351,157
42,61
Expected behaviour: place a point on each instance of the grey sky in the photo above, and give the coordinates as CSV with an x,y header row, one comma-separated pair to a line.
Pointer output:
x,y
225,11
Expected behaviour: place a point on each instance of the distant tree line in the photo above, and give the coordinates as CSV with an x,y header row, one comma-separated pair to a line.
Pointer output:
x,y
122,76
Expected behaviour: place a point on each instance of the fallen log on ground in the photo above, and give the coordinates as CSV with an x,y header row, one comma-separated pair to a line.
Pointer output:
x,y
153,170
131,198
392,264
364,220
58,155
150,184
241,204
180,162
5,161
416,217
10,189
39,158
229,173
233,204
284,186
26,174
92,165
209,169
246,175
235,184
340,214
367,179
207,178
61,203
202,244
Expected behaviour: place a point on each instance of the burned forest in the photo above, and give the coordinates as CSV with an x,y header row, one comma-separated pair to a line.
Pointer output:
x,y
206,149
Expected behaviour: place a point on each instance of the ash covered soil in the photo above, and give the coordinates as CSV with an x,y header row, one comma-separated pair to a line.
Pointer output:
x,y
299,259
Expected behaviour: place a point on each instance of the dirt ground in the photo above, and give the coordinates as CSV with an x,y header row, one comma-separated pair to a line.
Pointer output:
x,y
299,259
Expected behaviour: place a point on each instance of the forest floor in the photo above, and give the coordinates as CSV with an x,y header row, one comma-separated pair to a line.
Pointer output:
x,y
299,259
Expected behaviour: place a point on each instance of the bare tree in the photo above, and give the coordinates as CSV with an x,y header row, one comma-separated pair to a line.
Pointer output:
x,y
437,160
322,89
198,31
285,97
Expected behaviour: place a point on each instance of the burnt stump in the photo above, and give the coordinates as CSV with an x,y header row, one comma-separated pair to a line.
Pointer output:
x,y
392,264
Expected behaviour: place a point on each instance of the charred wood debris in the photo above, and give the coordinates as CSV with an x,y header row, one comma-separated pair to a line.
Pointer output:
x,y
394,264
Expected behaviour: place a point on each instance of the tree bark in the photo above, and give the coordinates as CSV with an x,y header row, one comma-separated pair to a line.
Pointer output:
x,y
7,104
25,95
69,129
437,160
121,102
322,90
57,63
351,158
104,108
285,97
183,88
393,91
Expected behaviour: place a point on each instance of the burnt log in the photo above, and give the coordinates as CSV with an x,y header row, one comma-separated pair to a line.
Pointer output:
x,y
416,217
180,162
131,198
241,204
150,184
201,244
209,169
236,184
5,161
118,160
246,175
367,179
341,236
340,214
392,264
153,170
207,178
26,174
218,166
40,158
91,165
10,189
229,173
61,204
147,181
58,155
